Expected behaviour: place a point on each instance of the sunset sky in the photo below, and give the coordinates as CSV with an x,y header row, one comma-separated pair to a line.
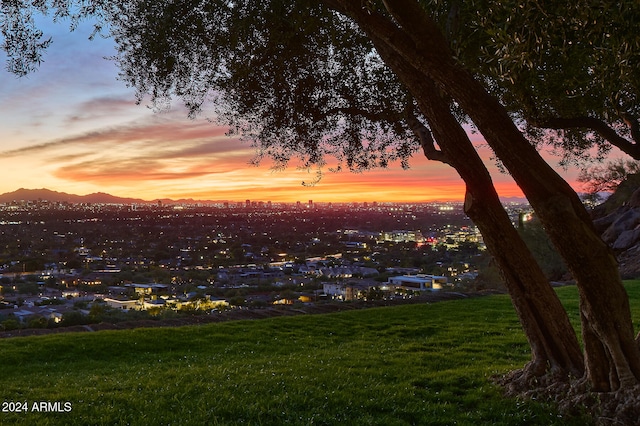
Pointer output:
x,y
73,127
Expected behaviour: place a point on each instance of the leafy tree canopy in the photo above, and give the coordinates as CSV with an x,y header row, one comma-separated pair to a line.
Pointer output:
x,y
573,68
302,81
606,178
296,79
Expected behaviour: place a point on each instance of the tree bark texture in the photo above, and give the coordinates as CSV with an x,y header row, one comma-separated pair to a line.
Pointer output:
x,y
611,354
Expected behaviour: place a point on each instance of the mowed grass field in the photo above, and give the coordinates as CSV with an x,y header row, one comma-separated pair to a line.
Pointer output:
x,y
426,364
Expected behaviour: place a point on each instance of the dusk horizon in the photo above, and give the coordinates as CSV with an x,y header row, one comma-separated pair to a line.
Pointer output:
x,y
47,194
72,127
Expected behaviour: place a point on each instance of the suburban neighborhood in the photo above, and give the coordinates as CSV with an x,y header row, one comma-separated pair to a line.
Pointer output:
x,y
67,264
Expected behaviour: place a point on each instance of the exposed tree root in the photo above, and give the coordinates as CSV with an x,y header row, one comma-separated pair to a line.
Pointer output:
x,y
573,397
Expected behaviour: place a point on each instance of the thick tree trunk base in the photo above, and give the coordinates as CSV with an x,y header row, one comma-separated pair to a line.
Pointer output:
x,y
573,396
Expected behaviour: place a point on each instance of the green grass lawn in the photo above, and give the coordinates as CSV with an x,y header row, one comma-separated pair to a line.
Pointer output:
x,y
414,364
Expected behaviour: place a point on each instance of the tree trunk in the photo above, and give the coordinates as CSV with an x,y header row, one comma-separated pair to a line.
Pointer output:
x,y
553,340
612,355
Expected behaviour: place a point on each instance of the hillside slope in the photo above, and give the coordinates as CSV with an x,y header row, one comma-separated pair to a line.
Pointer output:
x,y
417,364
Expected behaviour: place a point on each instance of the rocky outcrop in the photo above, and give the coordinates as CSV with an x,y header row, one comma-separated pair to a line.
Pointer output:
x,y
618,221
627,239
619,227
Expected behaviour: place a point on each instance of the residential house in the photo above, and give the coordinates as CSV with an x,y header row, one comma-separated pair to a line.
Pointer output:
x,y
420,282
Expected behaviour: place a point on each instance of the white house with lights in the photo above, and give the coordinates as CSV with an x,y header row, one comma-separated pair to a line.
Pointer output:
x,y
420,282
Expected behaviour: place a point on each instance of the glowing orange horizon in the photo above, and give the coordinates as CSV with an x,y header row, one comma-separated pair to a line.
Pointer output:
x,y
178,159
167,156
261,184
84,134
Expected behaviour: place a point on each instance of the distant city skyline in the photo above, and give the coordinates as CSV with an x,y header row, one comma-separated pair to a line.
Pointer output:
x,y
25,196
72,127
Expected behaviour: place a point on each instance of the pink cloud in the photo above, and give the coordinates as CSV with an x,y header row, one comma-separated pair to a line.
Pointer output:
x,y
153,135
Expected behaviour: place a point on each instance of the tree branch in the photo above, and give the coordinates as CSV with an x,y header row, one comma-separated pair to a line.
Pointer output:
x,y
600,127
369,115
634,126
426,138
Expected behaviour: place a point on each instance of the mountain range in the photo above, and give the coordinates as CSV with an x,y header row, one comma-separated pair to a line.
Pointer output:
x,y
43,194
95,198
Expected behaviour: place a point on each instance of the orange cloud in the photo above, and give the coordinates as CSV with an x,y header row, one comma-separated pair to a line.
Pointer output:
x,y
168,156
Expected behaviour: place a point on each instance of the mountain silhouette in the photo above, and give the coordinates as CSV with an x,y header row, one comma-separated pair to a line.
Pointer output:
x,y
43,194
